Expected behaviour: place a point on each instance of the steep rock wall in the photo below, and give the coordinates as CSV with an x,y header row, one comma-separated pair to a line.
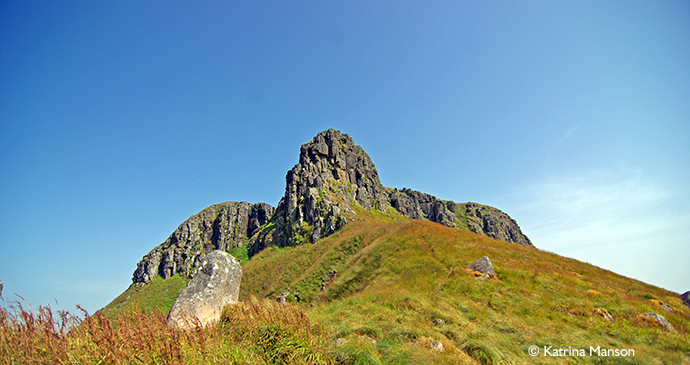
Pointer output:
x,y
223,226
416,205
492,222
477,218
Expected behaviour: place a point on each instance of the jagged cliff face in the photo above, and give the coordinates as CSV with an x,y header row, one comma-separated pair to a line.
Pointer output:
x,y
332,175
477,218
416,205
333,178
492,222
223,226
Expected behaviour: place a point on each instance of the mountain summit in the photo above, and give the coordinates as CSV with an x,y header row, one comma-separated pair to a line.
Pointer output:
x,y
333,176
332,181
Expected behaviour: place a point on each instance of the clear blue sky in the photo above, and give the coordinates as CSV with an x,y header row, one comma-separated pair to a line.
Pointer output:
x,y
120,119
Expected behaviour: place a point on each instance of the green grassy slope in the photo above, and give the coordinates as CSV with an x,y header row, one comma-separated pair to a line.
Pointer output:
x,y
393,280
158,294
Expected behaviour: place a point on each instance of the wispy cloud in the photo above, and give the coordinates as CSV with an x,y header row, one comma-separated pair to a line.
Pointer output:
x,y
571,131
621,220
556,143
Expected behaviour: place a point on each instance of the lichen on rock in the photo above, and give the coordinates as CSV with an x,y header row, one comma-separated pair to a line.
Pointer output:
x,y
216,284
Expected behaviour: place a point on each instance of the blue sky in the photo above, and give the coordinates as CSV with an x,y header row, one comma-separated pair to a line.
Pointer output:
x,y
120,119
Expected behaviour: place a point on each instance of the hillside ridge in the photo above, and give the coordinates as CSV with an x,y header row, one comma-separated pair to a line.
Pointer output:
x,y
332,180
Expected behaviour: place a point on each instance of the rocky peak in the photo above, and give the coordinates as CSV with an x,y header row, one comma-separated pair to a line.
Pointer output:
x,y
333,175
333,158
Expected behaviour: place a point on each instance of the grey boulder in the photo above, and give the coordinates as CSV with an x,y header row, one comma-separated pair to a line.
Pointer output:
x,y
663,322
483,266
437,346
216,284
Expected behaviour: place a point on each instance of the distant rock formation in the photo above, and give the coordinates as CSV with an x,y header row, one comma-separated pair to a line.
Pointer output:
x,y
333,179
216,284
223,226
492,222
685,297
477,218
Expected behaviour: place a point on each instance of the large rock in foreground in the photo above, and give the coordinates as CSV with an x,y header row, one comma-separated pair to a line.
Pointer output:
x,y
216,284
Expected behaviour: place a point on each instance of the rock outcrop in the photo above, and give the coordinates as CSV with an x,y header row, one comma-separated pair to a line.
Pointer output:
x,y
216,284
333,175
492,222
416,205
477,218
685,297
223,226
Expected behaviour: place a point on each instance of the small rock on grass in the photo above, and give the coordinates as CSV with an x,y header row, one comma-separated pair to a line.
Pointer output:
x,y
437,346
483,266
663,322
